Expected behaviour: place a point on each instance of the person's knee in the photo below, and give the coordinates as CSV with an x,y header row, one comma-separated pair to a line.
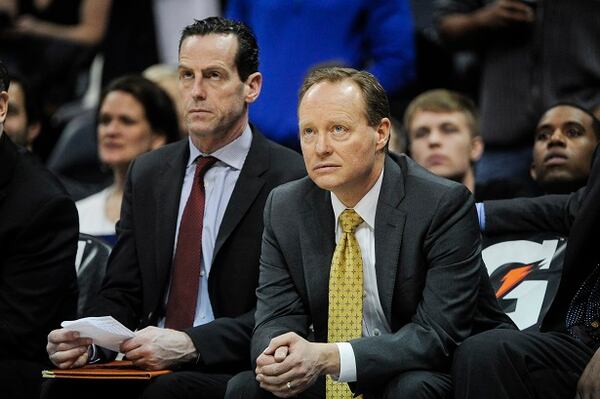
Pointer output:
x,y
242,385
484,349
419,384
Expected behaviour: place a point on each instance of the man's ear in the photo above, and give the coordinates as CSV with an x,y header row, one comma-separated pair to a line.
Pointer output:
x,y
3,106
383,133
477,148
252,87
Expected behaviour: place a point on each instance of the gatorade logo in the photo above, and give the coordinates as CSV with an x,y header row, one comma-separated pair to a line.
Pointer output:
x,y
521,272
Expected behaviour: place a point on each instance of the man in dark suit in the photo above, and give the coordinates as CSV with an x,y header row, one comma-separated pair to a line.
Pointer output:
x,y
417,273
38,242
150,282
562,360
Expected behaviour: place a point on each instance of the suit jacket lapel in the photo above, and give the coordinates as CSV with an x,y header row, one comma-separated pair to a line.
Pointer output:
x,y
247,187
317,242
167,195
389,227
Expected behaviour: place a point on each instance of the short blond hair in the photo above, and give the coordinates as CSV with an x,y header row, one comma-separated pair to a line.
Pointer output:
x,y
443,101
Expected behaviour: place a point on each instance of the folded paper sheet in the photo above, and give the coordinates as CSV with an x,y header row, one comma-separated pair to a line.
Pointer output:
x,y
105,331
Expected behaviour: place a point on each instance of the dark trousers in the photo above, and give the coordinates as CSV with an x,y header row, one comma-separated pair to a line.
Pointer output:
x,y
177,385
20,379
512,364
411,384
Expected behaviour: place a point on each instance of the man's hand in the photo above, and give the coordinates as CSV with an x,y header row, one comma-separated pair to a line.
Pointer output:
x,y
291,364
66,349
156,348
588,386
502,13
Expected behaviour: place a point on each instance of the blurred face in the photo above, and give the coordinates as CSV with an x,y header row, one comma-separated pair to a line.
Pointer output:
x,y
442,143
215,99
16,119
123,130
563,148
342,153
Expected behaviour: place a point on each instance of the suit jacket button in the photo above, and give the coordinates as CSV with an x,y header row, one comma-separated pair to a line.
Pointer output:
x,y
376,332
595,324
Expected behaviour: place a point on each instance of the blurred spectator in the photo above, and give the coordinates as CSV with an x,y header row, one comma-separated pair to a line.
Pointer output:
x,y
135,116
38,242
167,77
443,133
50,41
376,35
565,139
131,27
22,122
531,59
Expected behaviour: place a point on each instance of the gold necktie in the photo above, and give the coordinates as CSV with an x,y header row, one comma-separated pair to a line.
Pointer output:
x,y
345,294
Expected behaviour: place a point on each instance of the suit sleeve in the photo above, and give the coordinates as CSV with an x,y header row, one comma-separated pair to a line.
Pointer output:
x,y
39,287
279,308
121,292
554,213
444,315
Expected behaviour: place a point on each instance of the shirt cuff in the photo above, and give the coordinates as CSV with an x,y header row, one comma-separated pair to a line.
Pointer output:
x,y
347,363
481,215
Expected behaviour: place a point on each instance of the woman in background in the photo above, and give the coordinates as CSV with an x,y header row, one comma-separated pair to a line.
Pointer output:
x,y
134,116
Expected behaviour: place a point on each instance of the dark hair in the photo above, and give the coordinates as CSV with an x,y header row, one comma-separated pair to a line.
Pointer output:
x,y
595,121
246,58
4,81
443,101
158,106
32,106
376,102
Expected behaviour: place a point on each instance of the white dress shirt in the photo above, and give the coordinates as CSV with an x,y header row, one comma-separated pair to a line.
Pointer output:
x,y
374,321
219,182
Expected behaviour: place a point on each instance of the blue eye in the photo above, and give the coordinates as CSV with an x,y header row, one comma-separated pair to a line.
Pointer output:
x,y
338,129
308,132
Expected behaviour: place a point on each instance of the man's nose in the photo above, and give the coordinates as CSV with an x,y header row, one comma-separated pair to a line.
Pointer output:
x,y
322,144
199,89
557,138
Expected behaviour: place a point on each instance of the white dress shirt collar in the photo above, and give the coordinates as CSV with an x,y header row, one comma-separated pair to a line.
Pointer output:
x,y
233,154
366,207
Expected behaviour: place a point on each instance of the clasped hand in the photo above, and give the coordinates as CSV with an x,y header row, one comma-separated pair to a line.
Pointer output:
x,y
291,364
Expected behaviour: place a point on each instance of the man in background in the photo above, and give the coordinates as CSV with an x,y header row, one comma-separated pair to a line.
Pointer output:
x,y
565,139
22,122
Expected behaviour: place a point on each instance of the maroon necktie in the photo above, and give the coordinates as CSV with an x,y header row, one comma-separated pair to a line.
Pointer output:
x,y
185,279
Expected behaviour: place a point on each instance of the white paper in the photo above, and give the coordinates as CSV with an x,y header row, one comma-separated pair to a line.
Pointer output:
x,y
105,331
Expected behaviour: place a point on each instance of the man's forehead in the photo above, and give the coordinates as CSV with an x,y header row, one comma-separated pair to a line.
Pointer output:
x,y
565,114
214,47
423,116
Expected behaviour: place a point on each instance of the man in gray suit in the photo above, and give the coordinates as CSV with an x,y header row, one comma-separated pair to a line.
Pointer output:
x,y
423,286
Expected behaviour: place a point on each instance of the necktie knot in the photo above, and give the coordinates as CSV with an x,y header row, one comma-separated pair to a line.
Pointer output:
x,y
350,220
203,164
